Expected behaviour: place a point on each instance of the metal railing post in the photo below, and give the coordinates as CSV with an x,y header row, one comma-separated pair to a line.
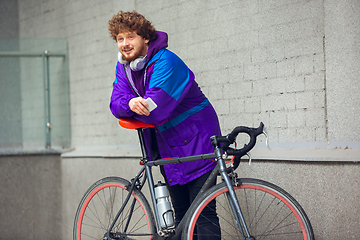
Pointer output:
x,y
46,79
46,75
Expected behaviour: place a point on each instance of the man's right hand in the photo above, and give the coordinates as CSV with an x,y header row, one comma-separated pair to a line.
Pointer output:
x,y
139,106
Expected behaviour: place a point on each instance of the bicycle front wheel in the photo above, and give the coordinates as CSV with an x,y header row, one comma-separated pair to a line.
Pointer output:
x,y
269,213
101,203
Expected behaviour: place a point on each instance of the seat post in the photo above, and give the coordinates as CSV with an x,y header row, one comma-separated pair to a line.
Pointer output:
x,y
142,144
149,175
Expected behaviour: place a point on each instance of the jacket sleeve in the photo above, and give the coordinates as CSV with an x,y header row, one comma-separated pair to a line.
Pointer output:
x,y
169,81
121,94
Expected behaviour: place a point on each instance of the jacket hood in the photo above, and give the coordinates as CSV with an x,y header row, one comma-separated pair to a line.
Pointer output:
x,y
159,43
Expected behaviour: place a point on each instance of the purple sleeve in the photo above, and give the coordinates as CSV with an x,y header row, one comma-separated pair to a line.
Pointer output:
x,y
121,95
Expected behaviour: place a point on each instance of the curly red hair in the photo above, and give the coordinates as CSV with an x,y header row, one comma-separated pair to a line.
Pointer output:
x,y
131,22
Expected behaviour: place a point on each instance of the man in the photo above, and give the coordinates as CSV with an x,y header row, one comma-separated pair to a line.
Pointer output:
x,y
184,118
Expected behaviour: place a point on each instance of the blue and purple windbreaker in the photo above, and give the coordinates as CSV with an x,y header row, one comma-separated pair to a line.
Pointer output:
x,y
184,118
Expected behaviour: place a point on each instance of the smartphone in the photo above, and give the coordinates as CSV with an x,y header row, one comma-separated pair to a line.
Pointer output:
x,y
152,104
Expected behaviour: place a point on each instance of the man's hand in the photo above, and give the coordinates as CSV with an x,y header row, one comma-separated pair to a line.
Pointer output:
x,y
139,106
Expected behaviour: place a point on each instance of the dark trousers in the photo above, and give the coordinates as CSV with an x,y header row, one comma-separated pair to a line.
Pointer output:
x,y
183,195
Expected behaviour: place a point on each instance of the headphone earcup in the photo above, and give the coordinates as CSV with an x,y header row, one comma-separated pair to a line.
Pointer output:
x,y
138,64
121,58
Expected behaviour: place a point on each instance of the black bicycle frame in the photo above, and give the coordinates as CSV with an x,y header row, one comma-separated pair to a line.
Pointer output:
x,y
220,168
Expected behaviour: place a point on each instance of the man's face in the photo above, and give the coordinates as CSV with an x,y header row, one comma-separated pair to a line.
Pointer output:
x,y
131,45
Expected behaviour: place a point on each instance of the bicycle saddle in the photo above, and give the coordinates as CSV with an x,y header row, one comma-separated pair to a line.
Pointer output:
x,y
131,123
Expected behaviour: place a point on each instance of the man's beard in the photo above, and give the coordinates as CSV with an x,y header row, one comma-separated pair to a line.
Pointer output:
x,y
137,53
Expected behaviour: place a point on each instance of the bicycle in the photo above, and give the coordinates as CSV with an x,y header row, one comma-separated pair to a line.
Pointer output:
x,y
114,208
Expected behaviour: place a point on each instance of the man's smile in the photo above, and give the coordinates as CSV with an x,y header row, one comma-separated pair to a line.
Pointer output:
x,y
127,51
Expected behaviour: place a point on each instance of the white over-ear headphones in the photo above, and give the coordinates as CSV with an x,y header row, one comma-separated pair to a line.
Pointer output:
x,y
135,65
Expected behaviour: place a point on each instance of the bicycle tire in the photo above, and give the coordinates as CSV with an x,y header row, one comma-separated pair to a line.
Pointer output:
x,y
99,206
269,212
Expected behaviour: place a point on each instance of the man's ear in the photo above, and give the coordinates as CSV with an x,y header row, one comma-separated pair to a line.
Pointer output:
x,y
147,41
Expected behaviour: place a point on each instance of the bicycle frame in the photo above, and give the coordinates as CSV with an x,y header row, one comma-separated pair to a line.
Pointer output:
x,y
268,209
219,169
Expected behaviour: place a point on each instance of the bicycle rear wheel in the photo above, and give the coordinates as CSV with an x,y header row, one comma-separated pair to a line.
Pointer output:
x,y
101,203
269,213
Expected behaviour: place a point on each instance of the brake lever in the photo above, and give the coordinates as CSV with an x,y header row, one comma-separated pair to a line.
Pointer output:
x,y
266,138
249,156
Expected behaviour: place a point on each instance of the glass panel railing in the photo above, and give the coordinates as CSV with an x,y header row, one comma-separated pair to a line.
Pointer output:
x,y
34,95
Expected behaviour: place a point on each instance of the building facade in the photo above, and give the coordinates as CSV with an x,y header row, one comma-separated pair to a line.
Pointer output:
x,y
294,65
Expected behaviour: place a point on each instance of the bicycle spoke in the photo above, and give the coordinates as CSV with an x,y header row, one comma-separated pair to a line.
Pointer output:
x,y
125,216
268,213
89,236
93,210
100,206
112,196
268,233
226,220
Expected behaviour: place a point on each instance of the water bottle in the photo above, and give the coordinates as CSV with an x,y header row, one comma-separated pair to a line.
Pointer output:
x,y
163,205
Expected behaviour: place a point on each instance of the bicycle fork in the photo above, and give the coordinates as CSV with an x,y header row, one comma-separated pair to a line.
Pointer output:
x,y
232,198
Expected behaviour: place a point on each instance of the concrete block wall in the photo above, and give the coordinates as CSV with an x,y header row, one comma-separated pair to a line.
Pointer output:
x,y
280,65
343,74
255,60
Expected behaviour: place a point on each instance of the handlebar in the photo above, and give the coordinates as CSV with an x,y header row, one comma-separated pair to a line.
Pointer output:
x,y
252,132
230,139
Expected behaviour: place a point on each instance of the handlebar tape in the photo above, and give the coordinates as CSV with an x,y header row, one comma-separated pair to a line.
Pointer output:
x,y
252,132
